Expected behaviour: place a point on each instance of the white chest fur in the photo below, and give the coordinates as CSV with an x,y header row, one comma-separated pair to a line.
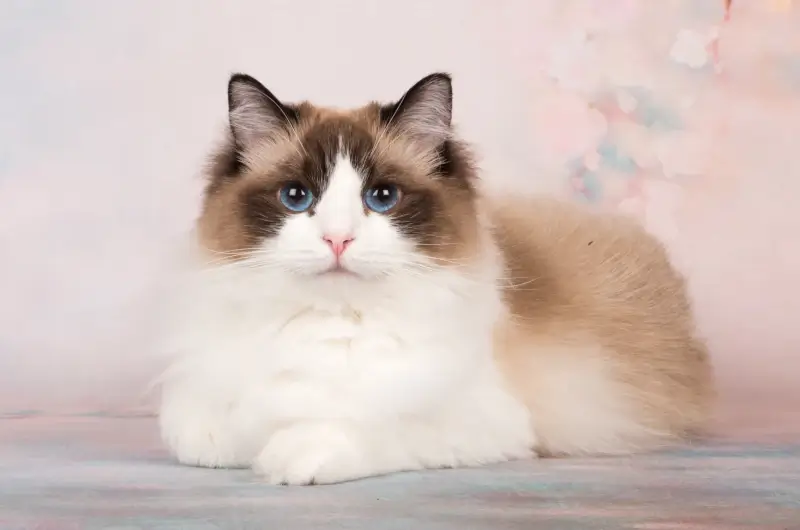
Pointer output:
x,y
332,385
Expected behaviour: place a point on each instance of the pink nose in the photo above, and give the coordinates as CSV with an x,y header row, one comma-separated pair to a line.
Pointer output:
x,y
338,244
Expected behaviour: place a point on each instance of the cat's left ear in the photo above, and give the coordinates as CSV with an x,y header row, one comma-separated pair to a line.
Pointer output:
x,y
424,112
254,113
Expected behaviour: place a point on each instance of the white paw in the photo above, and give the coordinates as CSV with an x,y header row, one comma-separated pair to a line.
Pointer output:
x,y
201,442
313,454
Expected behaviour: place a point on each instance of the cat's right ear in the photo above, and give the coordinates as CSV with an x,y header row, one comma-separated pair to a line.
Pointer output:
x,y
254,113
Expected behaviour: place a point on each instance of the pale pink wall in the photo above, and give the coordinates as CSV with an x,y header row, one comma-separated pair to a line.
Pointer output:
x,y
111,106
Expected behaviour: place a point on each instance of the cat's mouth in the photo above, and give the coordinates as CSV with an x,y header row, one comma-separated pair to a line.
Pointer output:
x,y
338,271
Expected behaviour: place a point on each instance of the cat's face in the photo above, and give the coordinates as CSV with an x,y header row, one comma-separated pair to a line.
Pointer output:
x,y
366,193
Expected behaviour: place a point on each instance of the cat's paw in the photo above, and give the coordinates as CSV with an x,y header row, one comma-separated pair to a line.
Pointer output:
x,y
313,453
201,441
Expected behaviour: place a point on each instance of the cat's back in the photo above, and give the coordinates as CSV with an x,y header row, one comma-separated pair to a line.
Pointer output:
x,y
598,317
563,257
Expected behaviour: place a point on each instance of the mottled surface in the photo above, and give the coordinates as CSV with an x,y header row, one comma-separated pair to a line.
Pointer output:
x,y
105,472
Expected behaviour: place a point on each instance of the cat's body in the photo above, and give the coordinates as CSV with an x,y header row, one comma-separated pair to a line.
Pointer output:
x,y
324,338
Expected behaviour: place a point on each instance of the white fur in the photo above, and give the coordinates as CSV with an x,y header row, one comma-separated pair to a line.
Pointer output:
x,y
323,379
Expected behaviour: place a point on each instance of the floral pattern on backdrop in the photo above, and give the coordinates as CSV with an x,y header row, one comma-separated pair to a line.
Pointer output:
x,y
639,127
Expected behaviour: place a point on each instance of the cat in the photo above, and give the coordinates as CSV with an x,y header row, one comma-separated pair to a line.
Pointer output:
x,y
356,306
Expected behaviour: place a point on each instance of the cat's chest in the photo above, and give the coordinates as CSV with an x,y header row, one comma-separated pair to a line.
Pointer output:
x,y
340,361
342,341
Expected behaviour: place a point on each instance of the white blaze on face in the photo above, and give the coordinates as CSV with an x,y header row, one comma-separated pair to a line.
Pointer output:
x,y
340,212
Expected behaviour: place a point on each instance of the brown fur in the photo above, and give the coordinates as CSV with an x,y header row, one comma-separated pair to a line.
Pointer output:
x,y
598,340
241,207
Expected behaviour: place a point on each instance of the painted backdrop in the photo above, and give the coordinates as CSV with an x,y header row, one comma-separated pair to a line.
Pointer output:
x,y
668,110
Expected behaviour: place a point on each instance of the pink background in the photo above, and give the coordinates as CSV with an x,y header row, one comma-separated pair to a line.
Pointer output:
x,y
656,108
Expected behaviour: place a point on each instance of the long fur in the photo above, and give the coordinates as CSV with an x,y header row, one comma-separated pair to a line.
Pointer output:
x,y
465,331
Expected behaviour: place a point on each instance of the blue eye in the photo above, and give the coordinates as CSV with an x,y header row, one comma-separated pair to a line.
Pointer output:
x,y
381,198
296,197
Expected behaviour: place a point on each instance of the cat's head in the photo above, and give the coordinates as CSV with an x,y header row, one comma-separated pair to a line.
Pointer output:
x,y
323,193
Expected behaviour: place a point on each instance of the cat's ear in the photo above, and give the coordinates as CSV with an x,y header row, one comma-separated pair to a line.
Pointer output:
x,y
424,112
254,113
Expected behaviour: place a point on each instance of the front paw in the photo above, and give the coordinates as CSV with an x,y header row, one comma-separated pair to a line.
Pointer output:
x,y
202,442
313,453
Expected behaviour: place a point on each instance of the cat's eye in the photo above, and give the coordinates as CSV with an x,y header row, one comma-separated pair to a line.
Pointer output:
x,y
381,198
296,197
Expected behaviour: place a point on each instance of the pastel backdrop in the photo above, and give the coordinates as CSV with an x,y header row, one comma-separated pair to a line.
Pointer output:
x,y
669,111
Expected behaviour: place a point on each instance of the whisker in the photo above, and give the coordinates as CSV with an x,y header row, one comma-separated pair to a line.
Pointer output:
x,y
429,269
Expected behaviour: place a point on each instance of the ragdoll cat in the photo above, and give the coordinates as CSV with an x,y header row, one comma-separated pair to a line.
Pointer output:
x,y
358,307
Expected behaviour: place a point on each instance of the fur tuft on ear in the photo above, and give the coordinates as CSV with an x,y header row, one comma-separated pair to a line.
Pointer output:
x,y
424,112
254,113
